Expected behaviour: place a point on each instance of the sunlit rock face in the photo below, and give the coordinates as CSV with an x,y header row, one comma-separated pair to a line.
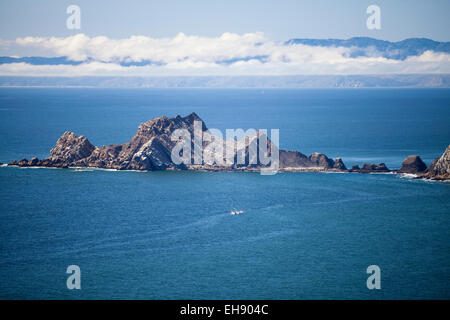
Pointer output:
x,y
151,149
440,168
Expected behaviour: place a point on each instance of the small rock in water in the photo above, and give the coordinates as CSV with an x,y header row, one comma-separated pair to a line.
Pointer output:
x,y
413,164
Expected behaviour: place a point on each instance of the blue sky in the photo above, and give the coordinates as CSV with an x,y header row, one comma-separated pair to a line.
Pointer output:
x,y
199,37
279,20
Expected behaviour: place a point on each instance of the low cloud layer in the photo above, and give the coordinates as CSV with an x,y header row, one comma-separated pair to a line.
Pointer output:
x,y
229,54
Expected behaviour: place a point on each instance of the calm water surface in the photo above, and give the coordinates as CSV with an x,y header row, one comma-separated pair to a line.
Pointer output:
x,y
170,235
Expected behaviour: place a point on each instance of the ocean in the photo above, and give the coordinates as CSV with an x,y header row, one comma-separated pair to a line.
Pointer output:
x,y
171,235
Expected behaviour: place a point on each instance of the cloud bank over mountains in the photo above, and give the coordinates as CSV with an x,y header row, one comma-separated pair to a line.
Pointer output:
x,y
230,55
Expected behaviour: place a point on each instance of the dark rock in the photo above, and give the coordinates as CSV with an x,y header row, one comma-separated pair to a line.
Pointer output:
x,y
370,167
23,163
339,164
143,152
413,164
293,159
150,149
243,147
382,167
34,162
104,157
321,160
190,120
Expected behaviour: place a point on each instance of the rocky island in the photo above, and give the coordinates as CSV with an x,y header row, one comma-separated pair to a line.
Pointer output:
x,y
150,149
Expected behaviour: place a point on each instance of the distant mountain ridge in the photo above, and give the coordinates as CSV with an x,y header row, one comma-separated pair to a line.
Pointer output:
x,y
296,81
362,47
399,50
41,61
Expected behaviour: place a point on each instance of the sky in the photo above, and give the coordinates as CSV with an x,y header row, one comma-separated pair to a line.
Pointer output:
x,y
279,20
199,37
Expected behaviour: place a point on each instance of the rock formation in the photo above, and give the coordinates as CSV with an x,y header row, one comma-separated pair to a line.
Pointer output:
x,y
413,164
294,160
370,167
70,148
151,147
339,164
440,168
321,160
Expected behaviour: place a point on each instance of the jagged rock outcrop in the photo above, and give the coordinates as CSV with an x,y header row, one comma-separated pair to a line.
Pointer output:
x,y
70,148
430,168
440,168
152,155
35,162
413,164
321,160
339,164
292,159
374,167
296,161
150,149
370,167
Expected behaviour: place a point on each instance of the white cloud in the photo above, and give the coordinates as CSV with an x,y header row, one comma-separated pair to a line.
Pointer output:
x,y
138,48
194,55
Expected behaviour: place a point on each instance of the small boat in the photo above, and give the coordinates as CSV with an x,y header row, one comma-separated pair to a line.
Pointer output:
x,y
235,212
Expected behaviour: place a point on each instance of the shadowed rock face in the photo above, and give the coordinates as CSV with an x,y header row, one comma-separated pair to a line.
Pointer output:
x,y
370,167
413,164
290,159
440,168
321,160
339,164
374,167
150,149
295,159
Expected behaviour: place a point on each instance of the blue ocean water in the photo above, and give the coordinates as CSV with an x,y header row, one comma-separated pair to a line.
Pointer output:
x,y
170,235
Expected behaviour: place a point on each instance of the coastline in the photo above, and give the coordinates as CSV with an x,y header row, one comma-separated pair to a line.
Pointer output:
x,y
151,149
399,175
